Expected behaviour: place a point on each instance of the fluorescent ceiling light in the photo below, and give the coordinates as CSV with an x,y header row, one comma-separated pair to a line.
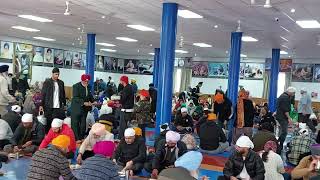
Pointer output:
x,y
284,38
44,38
267,4
285,46
126,39
108,50
283,52
292,10
243,55
181,51
25,28
151,54
188,14
35,18
249,39
106,44
308,24
202,45
285,29
140,27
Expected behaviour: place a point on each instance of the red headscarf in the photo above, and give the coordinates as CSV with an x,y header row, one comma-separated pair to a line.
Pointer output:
x,y
144,93
270,145
85,77
125,79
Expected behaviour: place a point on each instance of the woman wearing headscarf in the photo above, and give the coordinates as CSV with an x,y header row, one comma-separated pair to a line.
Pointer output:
x,y
96,134
272,161
243,123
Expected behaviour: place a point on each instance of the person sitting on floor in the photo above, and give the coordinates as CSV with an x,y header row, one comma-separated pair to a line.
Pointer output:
x,y
299,146
13,117
244,163
99,166
190,161
164,128
96,134
168,151
272,161
3,158
308,166
266,116
212,137
5,133
27,137
130,153
50,163
190,142
183,122
107,118
58,128
265,134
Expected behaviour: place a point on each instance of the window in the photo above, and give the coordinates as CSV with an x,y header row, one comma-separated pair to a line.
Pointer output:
x,y
281,83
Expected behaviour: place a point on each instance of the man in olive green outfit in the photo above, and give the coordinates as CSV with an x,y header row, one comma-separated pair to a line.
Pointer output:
x,y
81,104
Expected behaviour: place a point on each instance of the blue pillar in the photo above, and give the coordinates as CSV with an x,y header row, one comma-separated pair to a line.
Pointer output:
x,y
156,67
233,80
166,64
90,61
273,88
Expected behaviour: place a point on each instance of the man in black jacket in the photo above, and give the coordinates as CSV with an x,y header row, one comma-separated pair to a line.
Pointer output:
x,y
53,98
127,103
168,151
183,122
13,117
131,152
20,85
212,137
153,96
27,137
244,163
282,114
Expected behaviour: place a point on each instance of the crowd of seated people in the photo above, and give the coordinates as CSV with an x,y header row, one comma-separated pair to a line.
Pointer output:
x,y
113,142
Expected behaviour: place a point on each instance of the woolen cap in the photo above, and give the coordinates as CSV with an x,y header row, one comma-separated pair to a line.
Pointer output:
x,y
4,68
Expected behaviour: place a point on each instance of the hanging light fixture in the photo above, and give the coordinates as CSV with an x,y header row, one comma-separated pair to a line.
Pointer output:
x,y
181,42
267,4
67,12
239,26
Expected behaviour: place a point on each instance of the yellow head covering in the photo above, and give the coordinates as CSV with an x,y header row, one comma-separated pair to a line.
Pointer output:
x,y
61,141
212,117
138,131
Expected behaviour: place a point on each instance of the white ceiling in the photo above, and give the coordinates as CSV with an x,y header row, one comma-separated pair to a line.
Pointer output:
x,y
255,21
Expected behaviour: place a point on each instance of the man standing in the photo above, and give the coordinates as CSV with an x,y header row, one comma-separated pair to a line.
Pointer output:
x,y
53,98
81,104
127,102
5,97
195,93
305,109
282,114
20,85
153,96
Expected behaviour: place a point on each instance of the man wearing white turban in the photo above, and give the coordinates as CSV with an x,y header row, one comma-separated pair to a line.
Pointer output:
x,y
168,151
244,163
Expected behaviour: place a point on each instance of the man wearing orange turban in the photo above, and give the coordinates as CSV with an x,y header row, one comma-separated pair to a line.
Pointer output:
x,y
223,108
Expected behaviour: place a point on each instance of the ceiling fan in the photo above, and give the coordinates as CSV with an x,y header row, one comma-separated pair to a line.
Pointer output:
x,y
67,11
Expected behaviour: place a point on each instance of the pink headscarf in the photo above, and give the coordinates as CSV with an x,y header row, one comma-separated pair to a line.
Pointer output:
x,y
270,145
104,148
98,129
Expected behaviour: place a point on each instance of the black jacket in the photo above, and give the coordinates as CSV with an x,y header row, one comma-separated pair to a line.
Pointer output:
x,y
153,95
21,85
283,106
248,113
223,110
127,97
183,121
161,137
135,152
13,119
253,162
35,134
210,135
48,91
268,118
159,161
80,97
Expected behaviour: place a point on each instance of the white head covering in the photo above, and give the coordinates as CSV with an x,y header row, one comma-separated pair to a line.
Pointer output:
x,y
16,108
304,132
129,132
172,136
27,118
56,123
302,125
313,116
164,127
291,89
184,110
244,141
304,90
67,121
105,109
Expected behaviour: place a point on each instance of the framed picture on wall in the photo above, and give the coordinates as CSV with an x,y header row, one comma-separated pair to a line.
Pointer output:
x,y
48,56
253,71
38,56
58,58
218,69
100,63
83,60
76,60
285,65
6,51
316,73
67,59
23,60
302,72
145,67
131,66
241,71
110,64
200,69
267,64
120,65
